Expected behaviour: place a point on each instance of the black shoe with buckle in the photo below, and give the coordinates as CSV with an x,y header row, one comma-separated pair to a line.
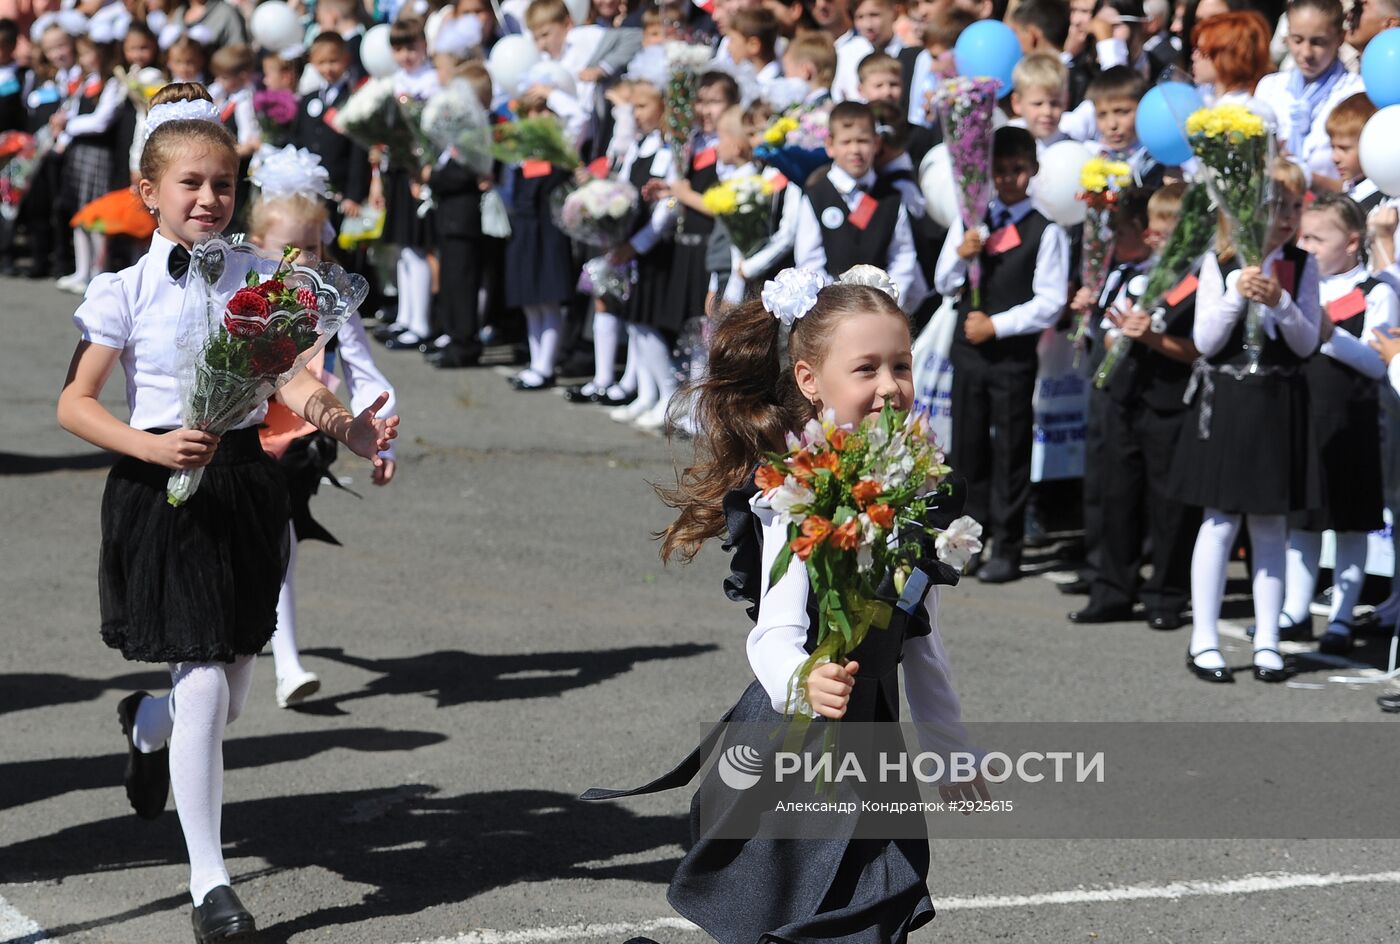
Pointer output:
x,y
1264,674
222,917
147,775
1222,674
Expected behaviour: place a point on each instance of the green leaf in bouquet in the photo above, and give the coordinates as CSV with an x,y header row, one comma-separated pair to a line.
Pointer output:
x,y
784,558
534,139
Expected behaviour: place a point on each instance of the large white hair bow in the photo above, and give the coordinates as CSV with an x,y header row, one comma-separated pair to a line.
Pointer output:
x,y
287,171
194,110
793,293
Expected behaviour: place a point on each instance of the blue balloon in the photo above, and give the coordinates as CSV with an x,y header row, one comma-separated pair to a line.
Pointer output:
x,y
1161,121
1380,68
988,48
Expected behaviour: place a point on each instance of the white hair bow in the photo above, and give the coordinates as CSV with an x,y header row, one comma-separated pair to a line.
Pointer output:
x,y
194,110
793,293
286,171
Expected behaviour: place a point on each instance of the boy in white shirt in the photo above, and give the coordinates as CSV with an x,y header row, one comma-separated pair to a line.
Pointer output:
x,y
1040,87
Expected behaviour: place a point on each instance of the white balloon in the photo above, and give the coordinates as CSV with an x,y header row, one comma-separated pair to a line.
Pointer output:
x,y
553,74
275,26
936,181
510,59
579,10
1379,158
376,53
1056,188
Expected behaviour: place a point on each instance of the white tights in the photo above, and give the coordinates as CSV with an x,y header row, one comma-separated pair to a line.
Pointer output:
x,y
415,283
542,323
1268,536
656,375
286,658
1349,573
606,328
87,253
204,698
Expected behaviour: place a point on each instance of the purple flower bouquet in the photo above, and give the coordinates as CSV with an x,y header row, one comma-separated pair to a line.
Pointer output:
x,y
965,108
276,111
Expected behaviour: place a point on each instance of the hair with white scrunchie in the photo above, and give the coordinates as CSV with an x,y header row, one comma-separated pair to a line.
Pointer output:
x,y
793,293
193,110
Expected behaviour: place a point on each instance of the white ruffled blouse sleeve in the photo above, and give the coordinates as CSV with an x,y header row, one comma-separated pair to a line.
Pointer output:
x,y
928,685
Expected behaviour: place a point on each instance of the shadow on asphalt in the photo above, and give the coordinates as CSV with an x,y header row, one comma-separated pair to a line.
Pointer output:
x,y
455,677
21,691
12,463
30,781
412,847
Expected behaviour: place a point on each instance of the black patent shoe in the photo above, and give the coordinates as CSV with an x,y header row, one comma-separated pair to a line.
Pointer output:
x,y
580,393
1336,642
1271,675
222,917
1165,620
1289,631
525,383
147,776
1099,613
1222,674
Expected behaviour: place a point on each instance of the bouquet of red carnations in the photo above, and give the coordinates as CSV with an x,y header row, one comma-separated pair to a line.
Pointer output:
x,y
249,323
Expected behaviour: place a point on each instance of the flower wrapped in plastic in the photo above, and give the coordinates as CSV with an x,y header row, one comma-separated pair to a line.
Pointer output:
x,y
745,206
276,111
1236,149
19,159
1100,182
372,117
965,108
795,143
684,63
601,277
249,322
455,121
867,508
533,139
1184,248
599,213
141,85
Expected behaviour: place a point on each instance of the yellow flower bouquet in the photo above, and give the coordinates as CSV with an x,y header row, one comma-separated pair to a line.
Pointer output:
x,y
744,205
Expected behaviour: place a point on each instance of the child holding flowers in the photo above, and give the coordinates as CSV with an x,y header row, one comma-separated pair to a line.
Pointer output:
x,y
848,345
1244,456
196,585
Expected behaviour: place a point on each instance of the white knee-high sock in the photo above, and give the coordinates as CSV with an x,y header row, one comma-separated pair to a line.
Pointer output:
x,y
201,700
415,289
1268,537
628,384
82,253
656,361
1304,550
286,658
648,393
1208,563
1349,573
99,254
606,328
543,322
402,279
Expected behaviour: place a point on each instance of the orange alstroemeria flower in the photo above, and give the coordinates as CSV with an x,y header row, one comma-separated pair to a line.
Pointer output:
x,y
838,439
815,530
827,460
801,466
881,515
865,491
768,478
847,537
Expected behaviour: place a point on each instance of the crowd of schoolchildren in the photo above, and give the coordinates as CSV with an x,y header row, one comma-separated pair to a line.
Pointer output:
x,y
1182,449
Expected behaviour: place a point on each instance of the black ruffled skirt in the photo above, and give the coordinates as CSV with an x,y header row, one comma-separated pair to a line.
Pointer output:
x,y
198,583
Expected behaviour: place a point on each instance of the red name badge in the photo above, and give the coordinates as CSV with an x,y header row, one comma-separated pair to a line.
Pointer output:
x,y
1183,290
228,111
599,168
1285,273
532,169
1347,307
706,158
1003,240
328,116
780,182
865,209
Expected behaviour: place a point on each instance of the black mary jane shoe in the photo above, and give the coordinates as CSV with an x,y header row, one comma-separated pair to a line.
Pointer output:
x,y
1335,642
1271,675
575,394
602,399
147,775
520,383
1222,674
1292,632
222,917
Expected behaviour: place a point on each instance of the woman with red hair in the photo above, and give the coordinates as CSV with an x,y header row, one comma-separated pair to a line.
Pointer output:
x,y
1230,53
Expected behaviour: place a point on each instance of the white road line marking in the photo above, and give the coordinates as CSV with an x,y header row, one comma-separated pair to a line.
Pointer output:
x,y
1245,885
18,928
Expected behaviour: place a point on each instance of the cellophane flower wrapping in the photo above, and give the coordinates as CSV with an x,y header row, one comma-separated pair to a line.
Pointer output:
x,y
455,121
141,85
794,144
599,213
600,277
19,159
965,108
533,139
372,116
1194,231
684,63
249,322
1236,150
862,505
276,111
1100,182
744,205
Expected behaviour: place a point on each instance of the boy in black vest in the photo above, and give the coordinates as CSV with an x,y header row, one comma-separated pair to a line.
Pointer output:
x,y
847,217
345,161
1024,263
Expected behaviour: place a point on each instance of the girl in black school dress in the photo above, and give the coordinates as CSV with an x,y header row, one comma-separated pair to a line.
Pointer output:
x,y
193,586
651,323
839,888
87,131
1245,455
59,78
540,272
1344,385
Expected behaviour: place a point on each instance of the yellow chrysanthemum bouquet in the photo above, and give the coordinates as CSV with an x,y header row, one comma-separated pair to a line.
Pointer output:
x,y
1236,148
744,205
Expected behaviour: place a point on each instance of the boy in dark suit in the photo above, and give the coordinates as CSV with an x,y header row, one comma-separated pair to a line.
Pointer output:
x,y
345,161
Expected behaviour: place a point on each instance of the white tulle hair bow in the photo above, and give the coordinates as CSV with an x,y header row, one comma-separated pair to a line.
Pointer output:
x,y
282,172
793,293
194,110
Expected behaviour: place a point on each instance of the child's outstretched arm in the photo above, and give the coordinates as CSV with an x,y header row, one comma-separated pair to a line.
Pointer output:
x,y
365,434
82,414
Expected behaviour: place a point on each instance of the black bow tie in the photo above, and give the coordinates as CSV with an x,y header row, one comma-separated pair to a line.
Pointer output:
x,y
178,263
